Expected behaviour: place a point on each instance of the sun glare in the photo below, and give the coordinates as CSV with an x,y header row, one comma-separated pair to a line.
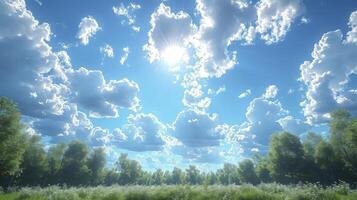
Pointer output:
x,y
173,55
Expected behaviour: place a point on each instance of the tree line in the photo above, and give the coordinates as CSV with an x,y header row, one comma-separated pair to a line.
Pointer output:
x,y
25,162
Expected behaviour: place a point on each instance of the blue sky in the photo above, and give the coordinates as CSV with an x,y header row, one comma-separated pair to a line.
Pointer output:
x,y
174,83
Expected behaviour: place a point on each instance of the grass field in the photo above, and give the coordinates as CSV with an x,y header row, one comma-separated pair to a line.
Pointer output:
x,y
245,192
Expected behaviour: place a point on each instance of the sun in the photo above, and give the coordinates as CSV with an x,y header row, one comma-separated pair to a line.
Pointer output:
x,y
173,55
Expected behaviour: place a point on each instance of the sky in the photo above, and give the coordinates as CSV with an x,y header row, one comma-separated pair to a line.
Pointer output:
x,y
173,83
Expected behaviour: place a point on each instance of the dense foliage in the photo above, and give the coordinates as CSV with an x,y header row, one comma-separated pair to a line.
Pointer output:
x,y
290,160
232,192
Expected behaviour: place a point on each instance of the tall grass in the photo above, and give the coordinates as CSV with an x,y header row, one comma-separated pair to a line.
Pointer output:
x,y
243,192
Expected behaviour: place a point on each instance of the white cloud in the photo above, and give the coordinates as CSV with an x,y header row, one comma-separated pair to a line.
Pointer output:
x,y
142,132
168,30
271,92
222,22
128,13
125,55
275,18
45,86
99,97
107,51
292,125
352,34
26,59
245,94
196,129
265,115
88,27
327,75
305,20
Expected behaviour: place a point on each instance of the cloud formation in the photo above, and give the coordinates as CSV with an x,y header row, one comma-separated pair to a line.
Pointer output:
x,y
47,89
168,30
265,115
327,75
107,51
142,132
196,129
245,94
275,18
128,13
99,97
88,27
125,55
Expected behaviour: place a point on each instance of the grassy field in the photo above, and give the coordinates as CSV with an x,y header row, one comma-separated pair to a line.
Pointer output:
x,y
245,192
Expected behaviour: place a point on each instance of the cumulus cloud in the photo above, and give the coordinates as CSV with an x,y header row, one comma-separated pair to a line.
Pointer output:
x,y
196,129
271,92
292,125
107,51
88,27
245,94
265,115
142,132
275,18
125,55
99,97
45,86
128,13
26,58
327,75
222,22
168,30
352,34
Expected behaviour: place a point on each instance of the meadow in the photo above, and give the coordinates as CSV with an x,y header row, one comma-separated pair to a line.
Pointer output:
x,y
186,192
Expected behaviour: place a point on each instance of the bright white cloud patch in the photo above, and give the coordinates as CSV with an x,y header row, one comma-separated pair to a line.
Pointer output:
x,y
327,75
245,94
169,31
107,51
128,13
142,132
196,129
275,18
222,22
88,27
48,91
101,98
125,55
27,59
265,116
271,92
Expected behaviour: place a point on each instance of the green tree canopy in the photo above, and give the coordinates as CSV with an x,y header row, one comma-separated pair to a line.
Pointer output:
x,y
12,141
286,157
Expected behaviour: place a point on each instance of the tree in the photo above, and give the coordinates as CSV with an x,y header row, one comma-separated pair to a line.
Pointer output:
x,y
286,157
111,177
193,175
157,177
211,178
54,159
330,164
178,176
342,127
262,169
34,165
96,164
74,170
247,173
130,170
228,174
310,168
12,141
